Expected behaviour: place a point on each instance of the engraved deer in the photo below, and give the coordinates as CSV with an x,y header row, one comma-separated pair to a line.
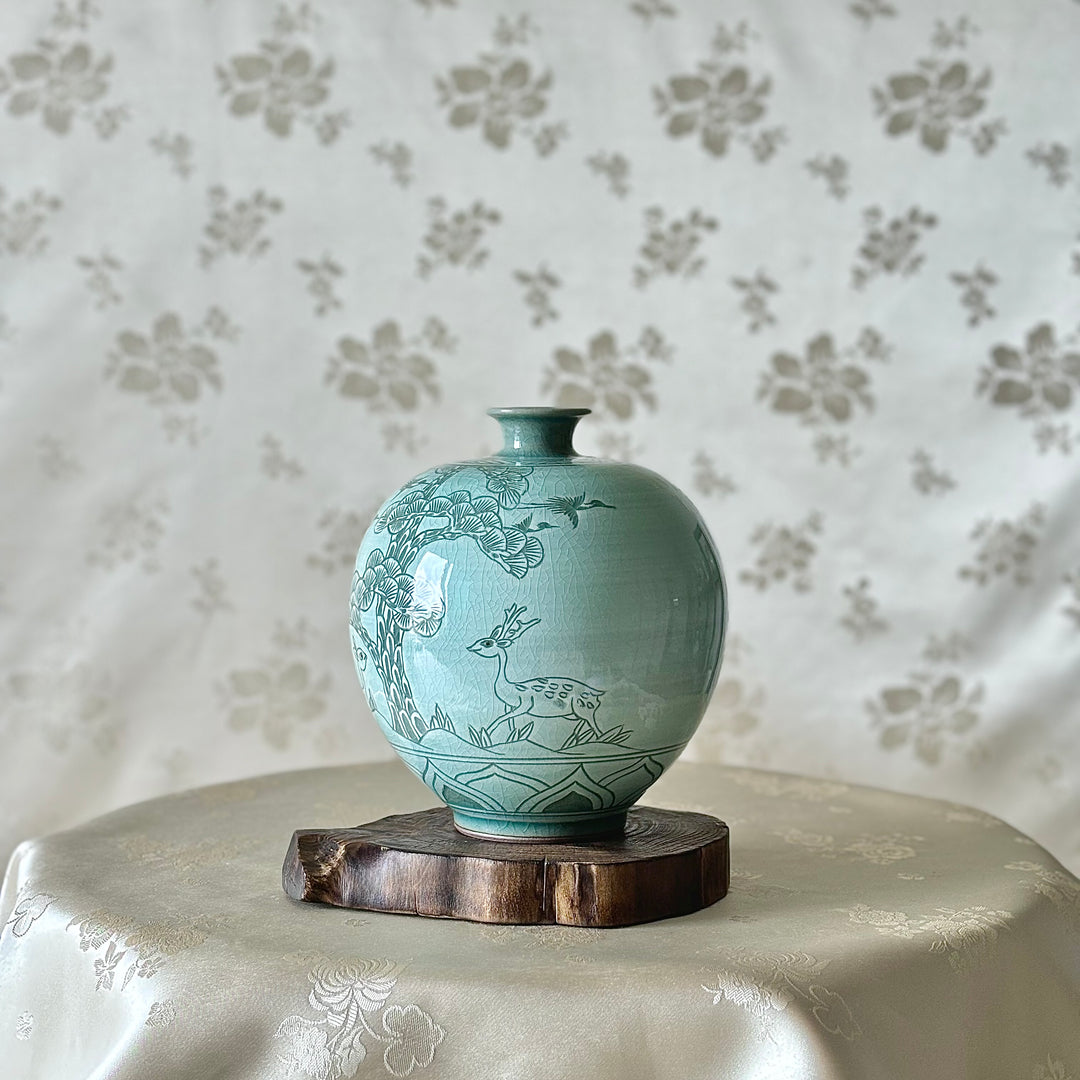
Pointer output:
x,y
546,697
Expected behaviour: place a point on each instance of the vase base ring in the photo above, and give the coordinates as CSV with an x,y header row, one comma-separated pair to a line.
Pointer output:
x,y
483,827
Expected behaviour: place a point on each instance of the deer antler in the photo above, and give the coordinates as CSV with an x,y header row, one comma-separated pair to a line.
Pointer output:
x,y
512,627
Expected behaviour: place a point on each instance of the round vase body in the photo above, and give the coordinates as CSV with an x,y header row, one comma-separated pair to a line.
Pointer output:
x,y
538,633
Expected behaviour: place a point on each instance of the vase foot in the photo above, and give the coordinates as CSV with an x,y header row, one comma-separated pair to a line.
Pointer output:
x,y
485,827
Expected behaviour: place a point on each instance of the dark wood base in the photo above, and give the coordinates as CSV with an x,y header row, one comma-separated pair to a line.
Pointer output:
x,y
669,862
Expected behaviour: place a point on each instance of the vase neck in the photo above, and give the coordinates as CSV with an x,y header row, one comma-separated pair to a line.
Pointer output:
x,y
537,431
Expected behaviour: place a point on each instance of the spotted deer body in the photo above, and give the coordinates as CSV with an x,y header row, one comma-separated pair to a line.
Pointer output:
x,y
545,697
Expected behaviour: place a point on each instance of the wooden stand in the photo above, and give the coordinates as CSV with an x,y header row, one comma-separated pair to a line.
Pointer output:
x,y
669,862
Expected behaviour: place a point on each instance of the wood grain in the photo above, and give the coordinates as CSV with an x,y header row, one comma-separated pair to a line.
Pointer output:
x,y
669,862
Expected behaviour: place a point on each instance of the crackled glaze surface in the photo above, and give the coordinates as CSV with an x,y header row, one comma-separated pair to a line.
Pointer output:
x,y
537,632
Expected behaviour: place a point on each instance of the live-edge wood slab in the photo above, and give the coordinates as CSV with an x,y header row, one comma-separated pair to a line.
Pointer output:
x,y
669,862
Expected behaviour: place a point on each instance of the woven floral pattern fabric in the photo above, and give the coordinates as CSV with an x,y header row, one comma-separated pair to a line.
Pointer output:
x,y
144,943
817,264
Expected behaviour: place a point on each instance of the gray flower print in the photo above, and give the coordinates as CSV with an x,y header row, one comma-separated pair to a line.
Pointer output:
x,y
236,227
939,98
927,712
825,387
501,94
755,292
606,377
973,290
454,238
721,102
615,168
284,83
1040,380
391,372
1005,548
171,366
1055,159
834,170
23,222
890,247
279,694
785,553
61,83
672,248
538,289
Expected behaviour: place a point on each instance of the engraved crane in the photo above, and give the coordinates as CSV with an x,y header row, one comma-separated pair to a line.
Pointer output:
x,y
547,697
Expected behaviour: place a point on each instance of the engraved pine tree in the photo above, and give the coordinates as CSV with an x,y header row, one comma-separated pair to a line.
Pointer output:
x,y
543,697
405,602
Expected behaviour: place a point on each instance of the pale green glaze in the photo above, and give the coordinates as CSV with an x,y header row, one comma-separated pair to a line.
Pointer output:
x,y
538,633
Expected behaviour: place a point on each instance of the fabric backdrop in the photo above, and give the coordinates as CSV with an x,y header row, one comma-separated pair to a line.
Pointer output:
x,y
816,263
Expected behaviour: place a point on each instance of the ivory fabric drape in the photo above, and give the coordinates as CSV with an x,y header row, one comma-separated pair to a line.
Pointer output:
x,y
816,263
865,934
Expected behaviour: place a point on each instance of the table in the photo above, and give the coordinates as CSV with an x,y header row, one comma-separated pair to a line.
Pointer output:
x,y
866,935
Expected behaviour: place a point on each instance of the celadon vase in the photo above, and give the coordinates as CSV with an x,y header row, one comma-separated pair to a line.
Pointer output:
x,y
538,633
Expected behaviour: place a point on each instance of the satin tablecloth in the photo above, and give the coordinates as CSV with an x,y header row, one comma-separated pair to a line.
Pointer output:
x,y
866,935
